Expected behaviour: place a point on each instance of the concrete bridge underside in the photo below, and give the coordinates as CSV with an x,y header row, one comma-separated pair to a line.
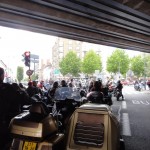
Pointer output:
x,y
118,23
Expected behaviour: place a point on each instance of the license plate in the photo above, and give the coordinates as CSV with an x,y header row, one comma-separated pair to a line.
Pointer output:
x,y
29,146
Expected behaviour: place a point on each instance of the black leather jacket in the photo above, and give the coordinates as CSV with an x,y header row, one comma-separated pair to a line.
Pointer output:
x,y
96,97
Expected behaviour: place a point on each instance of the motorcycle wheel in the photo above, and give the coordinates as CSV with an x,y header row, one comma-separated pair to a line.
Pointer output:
x,y
118,97
122,144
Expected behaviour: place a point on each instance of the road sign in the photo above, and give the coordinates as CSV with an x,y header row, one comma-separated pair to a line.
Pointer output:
x,y
29,72
56,72
34,56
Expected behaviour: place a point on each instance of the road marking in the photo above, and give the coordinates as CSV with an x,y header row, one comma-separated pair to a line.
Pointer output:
x,y
118,117
140,102
126,125
135,102
124,105
145,103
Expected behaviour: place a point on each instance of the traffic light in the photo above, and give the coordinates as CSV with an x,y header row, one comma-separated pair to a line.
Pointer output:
x,y
27,58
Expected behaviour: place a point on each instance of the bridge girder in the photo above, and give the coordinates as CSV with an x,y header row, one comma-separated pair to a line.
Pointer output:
x,y
117,23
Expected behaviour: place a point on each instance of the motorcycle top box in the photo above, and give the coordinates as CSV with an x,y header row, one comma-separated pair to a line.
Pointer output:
x,y
37,123
94,127
35,129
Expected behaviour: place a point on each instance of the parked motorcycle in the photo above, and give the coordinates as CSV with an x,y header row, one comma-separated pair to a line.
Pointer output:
x,y
107,96
94,127
66,100
91,126
35,130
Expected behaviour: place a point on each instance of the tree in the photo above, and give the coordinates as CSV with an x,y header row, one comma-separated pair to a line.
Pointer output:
x,y
70,64
146,59
137,65
34,77
118,62
20,73
91,62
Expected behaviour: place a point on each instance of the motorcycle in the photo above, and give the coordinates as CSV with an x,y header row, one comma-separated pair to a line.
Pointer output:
x,y
107,96
35,129
39,127
93,126
117,94
137,87
66,99
90,126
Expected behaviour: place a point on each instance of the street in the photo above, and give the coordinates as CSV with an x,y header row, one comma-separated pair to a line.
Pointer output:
x,y
133,114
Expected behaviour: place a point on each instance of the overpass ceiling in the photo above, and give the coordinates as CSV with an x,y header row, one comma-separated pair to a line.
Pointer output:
x,y
118,23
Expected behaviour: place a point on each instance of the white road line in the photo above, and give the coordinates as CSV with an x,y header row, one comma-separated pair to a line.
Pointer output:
x,y
135,102
124,105
126,125
145,103
118,117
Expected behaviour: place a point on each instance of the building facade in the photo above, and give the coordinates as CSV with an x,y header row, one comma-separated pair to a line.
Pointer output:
x,y
61,47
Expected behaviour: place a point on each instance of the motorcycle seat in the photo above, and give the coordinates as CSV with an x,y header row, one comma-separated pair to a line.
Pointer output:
x,y
39,108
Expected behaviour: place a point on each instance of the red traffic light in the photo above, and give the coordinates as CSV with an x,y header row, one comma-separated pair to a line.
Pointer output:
x,y
27,54
27,58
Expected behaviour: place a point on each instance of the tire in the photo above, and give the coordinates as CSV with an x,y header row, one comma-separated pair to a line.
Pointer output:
x,y
122,144
118,96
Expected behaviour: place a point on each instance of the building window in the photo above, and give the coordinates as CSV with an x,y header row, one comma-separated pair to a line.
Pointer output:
x,y
61,43
61,49
61,55
78,42
70,41
70,47
77,48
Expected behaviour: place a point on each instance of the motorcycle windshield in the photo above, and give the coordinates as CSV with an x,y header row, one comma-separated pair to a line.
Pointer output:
x,y
64,93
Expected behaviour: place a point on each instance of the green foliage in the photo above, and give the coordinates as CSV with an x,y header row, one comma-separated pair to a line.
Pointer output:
x,y
20,73
137,65
91,62
34,77
118,61
147,64
70,64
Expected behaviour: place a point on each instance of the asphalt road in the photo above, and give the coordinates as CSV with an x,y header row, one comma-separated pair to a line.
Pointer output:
x,y
134,116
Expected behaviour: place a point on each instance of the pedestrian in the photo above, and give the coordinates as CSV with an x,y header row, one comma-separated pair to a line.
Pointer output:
x,y
30,89
51,92
63,83
7,95
21,99
148,84
120,87
37,90
71,83
90,86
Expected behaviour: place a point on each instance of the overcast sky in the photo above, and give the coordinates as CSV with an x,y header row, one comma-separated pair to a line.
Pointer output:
x,y
14,42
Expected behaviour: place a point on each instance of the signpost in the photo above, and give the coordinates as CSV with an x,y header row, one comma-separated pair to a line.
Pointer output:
x,y
34,59
29,72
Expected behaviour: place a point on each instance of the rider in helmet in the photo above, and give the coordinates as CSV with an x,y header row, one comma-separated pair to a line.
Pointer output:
x,y
120,87
96,95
